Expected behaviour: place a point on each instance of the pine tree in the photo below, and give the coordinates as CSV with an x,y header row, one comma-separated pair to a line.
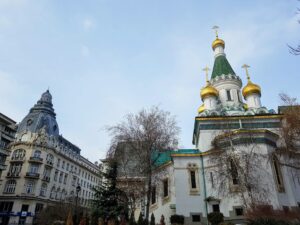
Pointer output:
x,y
132,220
140,220
107,203
152,221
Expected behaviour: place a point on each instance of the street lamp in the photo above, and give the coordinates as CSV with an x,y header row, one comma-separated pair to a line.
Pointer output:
x,y
78,189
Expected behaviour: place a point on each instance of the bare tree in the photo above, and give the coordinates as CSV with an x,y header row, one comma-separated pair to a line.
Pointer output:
x,y
289,150
295,50
146,134
239,168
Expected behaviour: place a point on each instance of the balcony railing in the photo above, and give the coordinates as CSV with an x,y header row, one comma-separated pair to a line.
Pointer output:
x,y
13,174
32,175
17,159
47,179
49,163
36,159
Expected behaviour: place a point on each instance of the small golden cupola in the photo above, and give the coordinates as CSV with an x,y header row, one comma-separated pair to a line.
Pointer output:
x,y
250,88
217,42
208,90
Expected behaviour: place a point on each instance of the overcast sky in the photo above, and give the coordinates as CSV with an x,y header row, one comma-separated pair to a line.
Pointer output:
x,y
102,59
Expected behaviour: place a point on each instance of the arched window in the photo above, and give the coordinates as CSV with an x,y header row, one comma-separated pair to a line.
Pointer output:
x,y
10,186
37,154
29,188
52,193
43,191
18,154
50,159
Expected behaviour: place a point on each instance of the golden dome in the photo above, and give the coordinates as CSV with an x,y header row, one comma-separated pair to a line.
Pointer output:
x,y
218,42
251,88
201,108
208,90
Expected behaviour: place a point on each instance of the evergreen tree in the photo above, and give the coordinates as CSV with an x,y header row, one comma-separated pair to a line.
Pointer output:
x,y
108,203
152,221
132,220
140,220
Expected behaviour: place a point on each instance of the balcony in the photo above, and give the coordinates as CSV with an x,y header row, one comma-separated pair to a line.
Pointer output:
x,y
32,175
4,151
2,166
13,174
47,179
36,159
49,163
17,159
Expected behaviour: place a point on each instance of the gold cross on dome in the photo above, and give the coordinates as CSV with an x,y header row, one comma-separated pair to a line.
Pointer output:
x,y
216,28
206,69
245,66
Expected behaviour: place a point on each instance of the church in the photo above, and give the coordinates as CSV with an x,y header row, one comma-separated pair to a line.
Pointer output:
x,y
230,168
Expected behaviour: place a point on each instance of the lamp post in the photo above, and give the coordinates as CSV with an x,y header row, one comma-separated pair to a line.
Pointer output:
x,y
78,189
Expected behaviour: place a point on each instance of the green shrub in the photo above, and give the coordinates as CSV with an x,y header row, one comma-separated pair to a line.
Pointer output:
x,y
215,218
179,219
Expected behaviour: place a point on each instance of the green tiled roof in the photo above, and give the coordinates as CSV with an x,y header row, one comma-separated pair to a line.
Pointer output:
x,y
221,66
161,158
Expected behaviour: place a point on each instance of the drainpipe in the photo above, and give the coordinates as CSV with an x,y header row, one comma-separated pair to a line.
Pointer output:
x,y
204,188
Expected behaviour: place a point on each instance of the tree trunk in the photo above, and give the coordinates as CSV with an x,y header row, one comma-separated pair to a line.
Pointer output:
x,y
148,200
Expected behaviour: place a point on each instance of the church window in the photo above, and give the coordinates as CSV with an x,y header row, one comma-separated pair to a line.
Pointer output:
x,y
193,179
153,195
43,190
10,186
239,211
166,187
234,173
216,208
196,218
228,95
278,175
239,95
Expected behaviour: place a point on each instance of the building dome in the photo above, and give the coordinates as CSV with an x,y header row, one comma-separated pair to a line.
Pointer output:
x,y
251,88
208,90
41,115
218,42
201,108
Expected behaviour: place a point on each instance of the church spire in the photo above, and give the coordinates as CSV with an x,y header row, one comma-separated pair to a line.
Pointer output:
x,y
221,64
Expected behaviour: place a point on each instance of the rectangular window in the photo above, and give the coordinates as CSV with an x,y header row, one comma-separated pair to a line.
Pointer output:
x,y
153,195
228,95
193,179
196,218
34,168
216,208
239,211
58,162
166,187
239,95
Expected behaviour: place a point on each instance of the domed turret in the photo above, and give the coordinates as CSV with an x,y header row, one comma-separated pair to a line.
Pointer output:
x,y
41,115
208,90
218,42
251,88
251,92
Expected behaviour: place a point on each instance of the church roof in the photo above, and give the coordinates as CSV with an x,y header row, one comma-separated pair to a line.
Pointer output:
x,y
41,115
221,66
